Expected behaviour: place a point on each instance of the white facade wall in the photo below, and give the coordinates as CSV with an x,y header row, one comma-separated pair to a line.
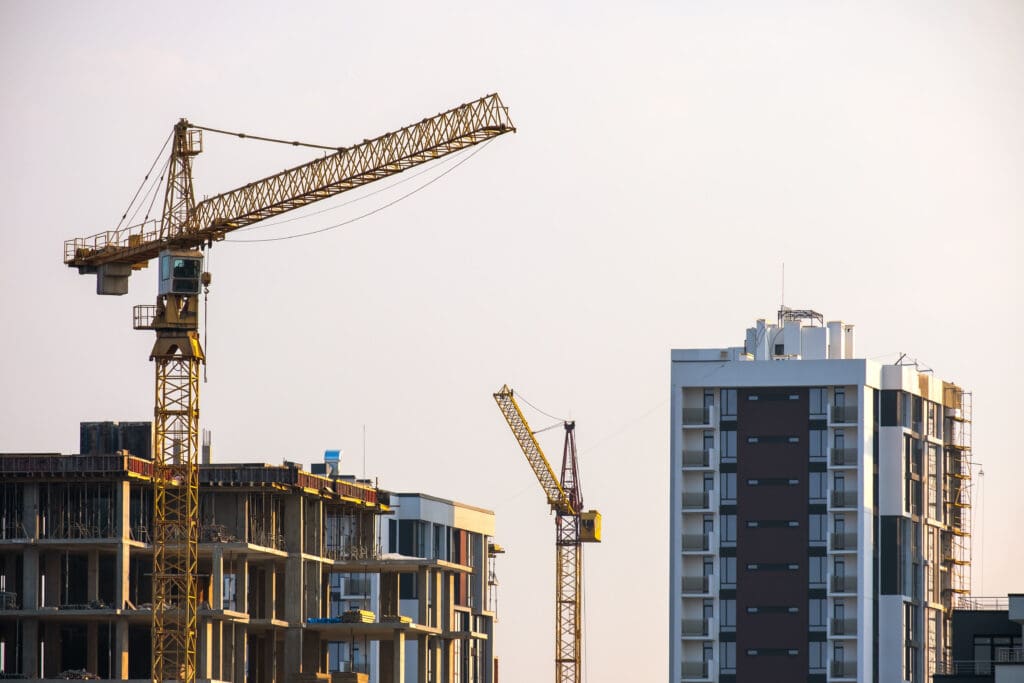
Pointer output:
x,y
812,357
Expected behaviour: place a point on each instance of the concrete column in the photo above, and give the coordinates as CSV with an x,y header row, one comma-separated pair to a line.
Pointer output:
x,y
270,590
51,652
437,598
120,649
217,578
292,652
436,654
241,566
240,653
270,656
92,647
423,655
30,510
30,648
30,579
51,579
242,515
122,501
204,648
398,657
423,601
122,566
92,588
217,649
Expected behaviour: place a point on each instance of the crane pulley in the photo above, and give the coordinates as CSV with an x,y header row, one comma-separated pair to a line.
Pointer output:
x,y
176,240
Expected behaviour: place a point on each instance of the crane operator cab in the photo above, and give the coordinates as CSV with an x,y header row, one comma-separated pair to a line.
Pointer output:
x,y
180,272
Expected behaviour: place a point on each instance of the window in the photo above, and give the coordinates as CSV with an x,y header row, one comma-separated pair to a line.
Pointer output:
x,y
728,529
817,528
728,487
819,401
709,439
727,651
818,487
817,439
817,654
727,440
728,614
817,570
728,573
728,404
817,613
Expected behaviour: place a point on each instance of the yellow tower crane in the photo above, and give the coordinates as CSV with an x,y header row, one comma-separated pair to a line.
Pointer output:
x,y
573,527
177,241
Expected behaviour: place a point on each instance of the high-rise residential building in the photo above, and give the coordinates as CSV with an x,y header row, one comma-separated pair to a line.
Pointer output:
x,y
819,512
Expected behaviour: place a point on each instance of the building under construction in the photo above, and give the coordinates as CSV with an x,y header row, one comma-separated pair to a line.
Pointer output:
x,y
294,583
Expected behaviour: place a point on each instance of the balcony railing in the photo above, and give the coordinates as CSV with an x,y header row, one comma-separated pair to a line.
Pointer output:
x,y
695,584
844,541
844,584
695,627
844,627
696,501
843,457
844,499
844,414
1010,655
696,458
694,670
844,669
697,416
696,542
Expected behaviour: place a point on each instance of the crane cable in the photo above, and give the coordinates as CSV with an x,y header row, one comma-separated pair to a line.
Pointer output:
x,y
249,136
368,213
144,179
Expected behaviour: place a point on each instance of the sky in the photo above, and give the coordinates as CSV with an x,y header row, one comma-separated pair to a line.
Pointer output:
x,y
669,159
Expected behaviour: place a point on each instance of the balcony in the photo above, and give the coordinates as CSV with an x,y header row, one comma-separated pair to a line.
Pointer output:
x,y
844,415
696,628
844,670
844,584
844,541
844,627
696,542
697,459
695,671
697,417
697,585
697,501
844,499
843,457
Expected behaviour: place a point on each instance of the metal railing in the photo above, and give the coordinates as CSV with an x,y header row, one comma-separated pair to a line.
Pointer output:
x,y
841,457
694,670
844,414
696,458
844,584
698,501
983,602
696,416
844,627
844,499
696,542
844,541
695,627
695,584
844,669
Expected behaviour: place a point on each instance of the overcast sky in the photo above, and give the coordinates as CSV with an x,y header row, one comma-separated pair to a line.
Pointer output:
x,y
670,157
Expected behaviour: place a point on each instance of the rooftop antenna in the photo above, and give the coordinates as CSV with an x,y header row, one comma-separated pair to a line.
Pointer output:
x,y
364,451
782,298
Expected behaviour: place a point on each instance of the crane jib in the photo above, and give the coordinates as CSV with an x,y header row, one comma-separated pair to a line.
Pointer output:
x,y
349,168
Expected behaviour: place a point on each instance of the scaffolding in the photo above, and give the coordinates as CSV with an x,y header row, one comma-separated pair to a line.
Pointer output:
x,y
956,539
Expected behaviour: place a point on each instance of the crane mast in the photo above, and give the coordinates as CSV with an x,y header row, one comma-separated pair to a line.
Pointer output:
x,y
573,527
176,241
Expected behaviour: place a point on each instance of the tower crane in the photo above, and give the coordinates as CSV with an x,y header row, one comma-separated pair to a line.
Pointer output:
x,y
177,241
573,528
